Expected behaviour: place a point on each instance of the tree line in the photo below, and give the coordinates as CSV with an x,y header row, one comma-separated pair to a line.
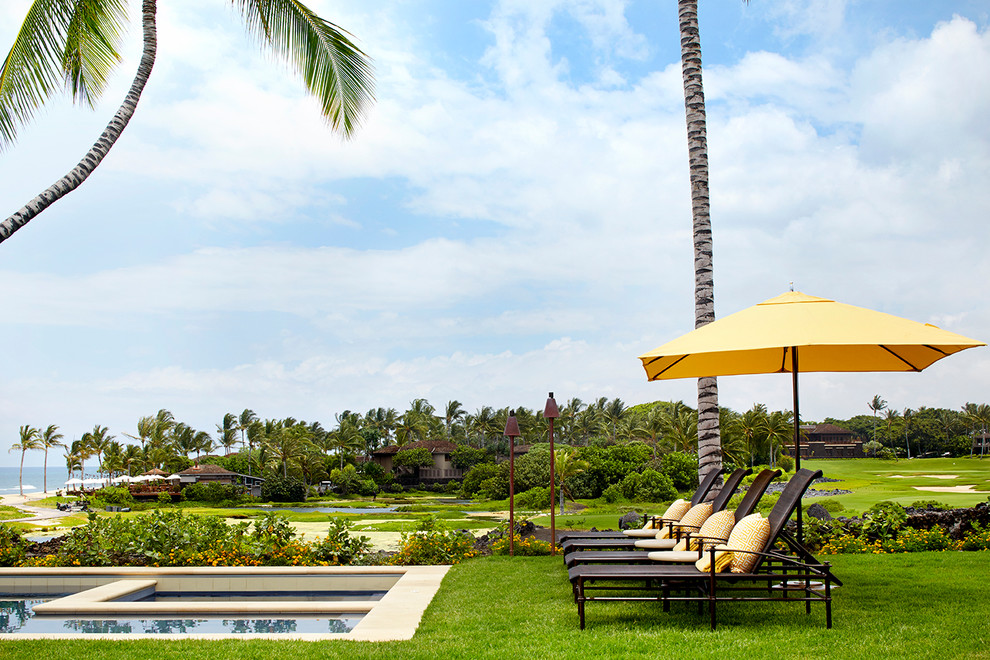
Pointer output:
x,y
309,451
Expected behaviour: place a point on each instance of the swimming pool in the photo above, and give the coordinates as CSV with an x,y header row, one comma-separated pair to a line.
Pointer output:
x,y
307,603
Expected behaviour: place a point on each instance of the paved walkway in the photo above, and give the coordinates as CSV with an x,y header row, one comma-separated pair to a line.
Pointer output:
x,y
37,513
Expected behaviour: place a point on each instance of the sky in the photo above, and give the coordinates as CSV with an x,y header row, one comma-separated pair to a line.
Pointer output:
x,y
512,218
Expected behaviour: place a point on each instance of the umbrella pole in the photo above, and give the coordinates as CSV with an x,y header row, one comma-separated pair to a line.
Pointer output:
x,y
797,431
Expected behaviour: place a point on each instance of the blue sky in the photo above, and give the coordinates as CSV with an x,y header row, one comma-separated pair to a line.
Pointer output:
x,y
512,218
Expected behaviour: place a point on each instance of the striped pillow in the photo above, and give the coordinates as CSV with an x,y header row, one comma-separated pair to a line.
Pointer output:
x,y
751,534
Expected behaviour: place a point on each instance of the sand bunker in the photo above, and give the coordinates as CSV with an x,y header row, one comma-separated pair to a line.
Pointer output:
x,y
949,489
924,476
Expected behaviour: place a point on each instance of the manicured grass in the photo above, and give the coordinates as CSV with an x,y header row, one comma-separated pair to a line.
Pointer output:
x,y
9,513
923,605
872,481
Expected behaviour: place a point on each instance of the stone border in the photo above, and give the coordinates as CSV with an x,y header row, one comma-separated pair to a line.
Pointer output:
x,y
395,617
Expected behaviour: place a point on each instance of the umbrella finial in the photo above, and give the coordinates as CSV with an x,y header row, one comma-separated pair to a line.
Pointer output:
x,y
792,286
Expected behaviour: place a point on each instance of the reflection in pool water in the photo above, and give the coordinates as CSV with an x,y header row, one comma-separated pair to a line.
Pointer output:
x,y
17,616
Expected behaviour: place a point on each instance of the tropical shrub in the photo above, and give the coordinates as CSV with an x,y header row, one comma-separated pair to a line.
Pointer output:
x,y
433,543
466,457
681,468
655,487
112,496
282,489
978,539
338,547
613,494
534,499
12,546
883,520
212,492
346,480
528,546
495,488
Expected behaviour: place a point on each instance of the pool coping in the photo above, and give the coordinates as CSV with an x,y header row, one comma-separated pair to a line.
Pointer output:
x,y
395,617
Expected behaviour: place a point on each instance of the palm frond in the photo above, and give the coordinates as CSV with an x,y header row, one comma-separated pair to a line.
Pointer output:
x,y
61,43
94,35
32,70
333,69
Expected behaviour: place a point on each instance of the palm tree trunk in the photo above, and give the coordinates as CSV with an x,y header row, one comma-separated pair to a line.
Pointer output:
x,y
111,133
20,475
709,441
44,478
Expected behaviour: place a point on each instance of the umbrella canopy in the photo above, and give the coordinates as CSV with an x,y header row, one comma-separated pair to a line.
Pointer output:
x,y
829,336
797,332
74,481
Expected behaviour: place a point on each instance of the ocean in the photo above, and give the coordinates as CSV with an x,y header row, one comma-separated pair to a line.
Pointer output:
x,y
33,478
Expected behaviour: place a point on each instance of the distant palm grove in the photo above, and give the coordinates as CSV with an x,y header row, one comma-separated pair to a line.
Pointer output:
x,y
310,452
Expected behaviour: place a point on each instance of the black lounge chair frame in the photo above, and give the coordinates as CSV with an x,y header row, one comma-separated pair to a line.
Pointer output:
x,y
640,556
795,579
699,496
622,542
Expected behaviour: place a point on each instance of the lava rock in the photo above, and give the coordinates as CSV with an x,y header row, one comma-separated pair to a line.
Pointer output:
x,y
816,510
631,520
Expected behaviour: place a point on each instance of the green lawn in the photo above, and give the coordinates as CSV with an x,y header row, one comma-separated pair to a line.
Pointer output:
x,y
924,605
873,480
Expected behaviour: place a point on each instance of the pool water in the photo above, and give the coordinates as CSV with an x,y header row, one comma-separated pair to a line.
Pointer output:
x,y
17,616
268,596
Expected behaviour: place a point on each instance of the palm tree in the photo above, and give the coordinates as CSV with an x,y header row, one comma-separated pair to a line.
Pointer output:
x,y
876,405
30,439
750,424
709,444
227,432
64,44
244,422
50,438
73,461
97,442
145,427
779,428
567,465
907,415
453,413
131,458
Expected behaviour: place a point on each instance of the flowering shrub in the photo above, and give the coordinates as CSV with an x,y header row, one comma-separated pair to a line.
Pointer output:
x,y
978,539
528,546
12,546
169,538
433,543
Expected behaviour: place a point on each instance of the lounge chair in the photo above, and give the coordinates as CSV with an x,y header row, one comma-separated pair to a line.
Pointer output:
x,y
699,496
641,549
773,577
628,542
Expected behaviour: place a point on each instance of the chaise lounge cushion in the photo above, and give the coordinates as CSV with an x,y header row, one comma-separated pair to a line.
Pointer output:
x,y
750,534
674,512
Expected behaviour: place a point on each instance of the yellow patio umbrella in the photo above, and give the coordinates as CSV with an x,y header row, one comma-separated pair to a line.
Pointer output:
x,y
797,332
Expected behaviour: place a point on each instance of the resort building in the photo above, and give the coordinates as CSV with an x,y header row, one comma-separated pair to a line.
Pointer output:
x,y
828,441
206,472
442,471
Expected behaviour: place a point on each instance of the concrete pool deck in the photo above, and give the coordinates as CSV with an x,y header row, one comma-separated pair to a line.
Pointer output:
x,y
410,589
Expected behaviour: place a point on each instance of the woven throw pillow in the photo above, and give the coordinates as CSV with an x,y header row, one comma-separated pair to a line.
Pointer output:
x,y
696,516
718,526
723,559
751,533
675,511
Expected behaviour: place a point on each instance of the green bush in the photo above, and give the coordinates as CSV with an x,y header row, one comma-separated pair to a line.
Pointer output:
x,y
978,539
883,520
282,489
346,480
471,485
655,487
534,499
338,547
13,547
786,462
682,469
613,494
164,499
432,543
925,504
212,492
495,488
112,496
